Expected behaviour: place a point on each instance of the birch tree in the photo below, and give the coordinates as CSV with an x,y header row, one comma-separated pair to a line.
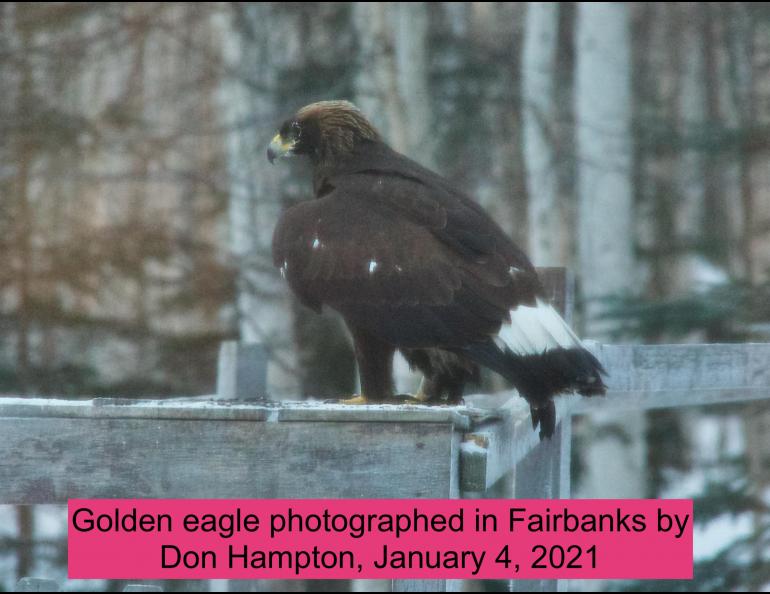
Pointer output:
x,y
411,46
603,111
392,79
603,114
248,101
496,163
375,82
549,228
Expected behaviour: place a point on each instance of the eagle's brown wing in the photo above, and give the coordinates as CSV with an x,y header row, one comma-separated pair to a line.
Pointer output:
x,y
412,263
409,264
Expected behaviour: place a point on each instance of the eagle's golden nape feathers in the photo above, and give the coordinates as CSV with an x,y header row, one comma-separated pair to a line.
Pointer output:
x,y
335,116
335,128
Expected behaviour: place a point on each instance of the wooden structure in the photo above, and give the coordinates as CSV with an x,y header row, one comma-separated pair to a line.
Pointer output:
x,y
54,450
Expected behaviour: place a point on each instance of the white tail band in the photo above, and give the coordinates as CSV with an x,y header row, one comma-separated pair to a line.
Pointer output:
x,y
534,330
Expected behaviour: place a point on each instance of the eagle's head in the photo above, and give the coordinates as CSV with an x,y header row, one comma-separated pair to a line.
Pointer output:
x,y
322,130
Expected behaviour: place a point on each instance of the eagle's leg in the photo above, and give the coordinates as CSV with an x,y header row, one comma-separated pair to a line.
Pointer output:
x,y
425,390
375,368
445,374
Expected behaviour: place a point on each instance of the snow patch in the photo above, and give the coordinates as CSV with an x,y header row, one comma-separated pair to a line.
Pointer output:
x,y
471,447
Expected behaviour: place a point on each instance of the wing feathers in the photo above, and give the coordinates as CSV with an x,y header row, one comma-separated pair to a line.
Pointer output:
x,y
398,254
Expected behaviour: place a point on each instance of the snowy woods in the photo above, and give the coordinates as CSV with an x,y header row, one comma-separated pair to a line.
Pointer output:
x,y
627,142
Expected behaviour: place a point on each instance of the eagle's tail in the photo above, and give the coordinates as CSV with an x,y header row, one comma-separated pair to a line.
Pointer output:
x,y
541,356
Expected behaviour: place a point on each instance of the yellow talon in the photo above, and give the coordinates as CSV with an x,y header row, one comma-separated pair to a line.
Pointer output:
x,y
359,399
421,396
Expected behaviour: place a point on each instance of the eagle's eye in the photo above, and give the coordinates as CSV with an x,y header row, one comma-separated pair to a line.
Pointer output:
x,y
291,130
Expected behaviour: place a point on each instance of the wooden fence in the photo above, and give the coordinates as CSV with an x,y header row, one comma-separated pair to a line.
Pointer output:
x,y
53,450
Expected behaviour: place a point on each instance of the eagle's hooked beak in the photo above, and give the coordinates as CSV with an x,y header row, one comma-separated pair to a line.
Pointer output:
x,y
279,148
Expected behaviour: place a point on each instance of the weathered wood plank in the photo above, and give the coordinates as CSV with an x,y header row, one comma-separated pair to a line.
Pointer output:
x,y
539,474
310,411
50,460
692,375
544,474
494,447
670,367
663,376
419,586
427,585
654,399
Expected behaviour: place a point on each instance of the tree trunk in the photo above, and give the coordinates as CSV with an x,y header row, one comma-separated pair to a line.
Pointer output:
x,y
376,87
24,158
603,107
263,311
603,114
411,36
548,225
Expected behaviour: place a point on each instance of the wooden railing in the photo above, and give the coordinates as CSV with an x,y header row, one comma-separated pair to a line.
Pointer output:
x,y
53,450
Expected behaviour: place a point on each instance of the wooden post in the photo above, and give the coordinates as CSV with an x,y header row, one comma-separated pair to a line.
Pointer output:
x,y
241,371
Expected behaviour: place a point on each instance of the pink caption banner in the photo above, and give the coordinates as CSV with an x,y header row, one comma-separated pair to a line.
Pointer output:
x,y
364,538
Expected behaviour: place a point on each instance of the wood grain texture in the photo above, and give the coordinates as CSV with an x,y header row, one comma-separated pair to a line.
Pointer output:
x,y
50,460
496,445
686,366
661,376
198,409
544,474
419,586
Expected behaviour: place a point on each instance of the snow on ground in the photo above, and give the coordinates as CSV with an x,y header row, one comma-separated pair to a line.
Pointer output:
x,y
710,539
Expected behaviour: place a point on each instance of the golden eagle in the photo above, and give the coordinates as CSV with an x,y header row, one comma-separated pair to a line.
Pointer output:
x,y
411,263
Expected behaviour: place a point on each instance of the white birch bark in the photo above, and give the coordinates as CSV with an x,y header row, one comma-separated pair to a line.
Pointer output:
x,y
548,231
376,87
411,32
263,309
392,82
603,109
603,114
